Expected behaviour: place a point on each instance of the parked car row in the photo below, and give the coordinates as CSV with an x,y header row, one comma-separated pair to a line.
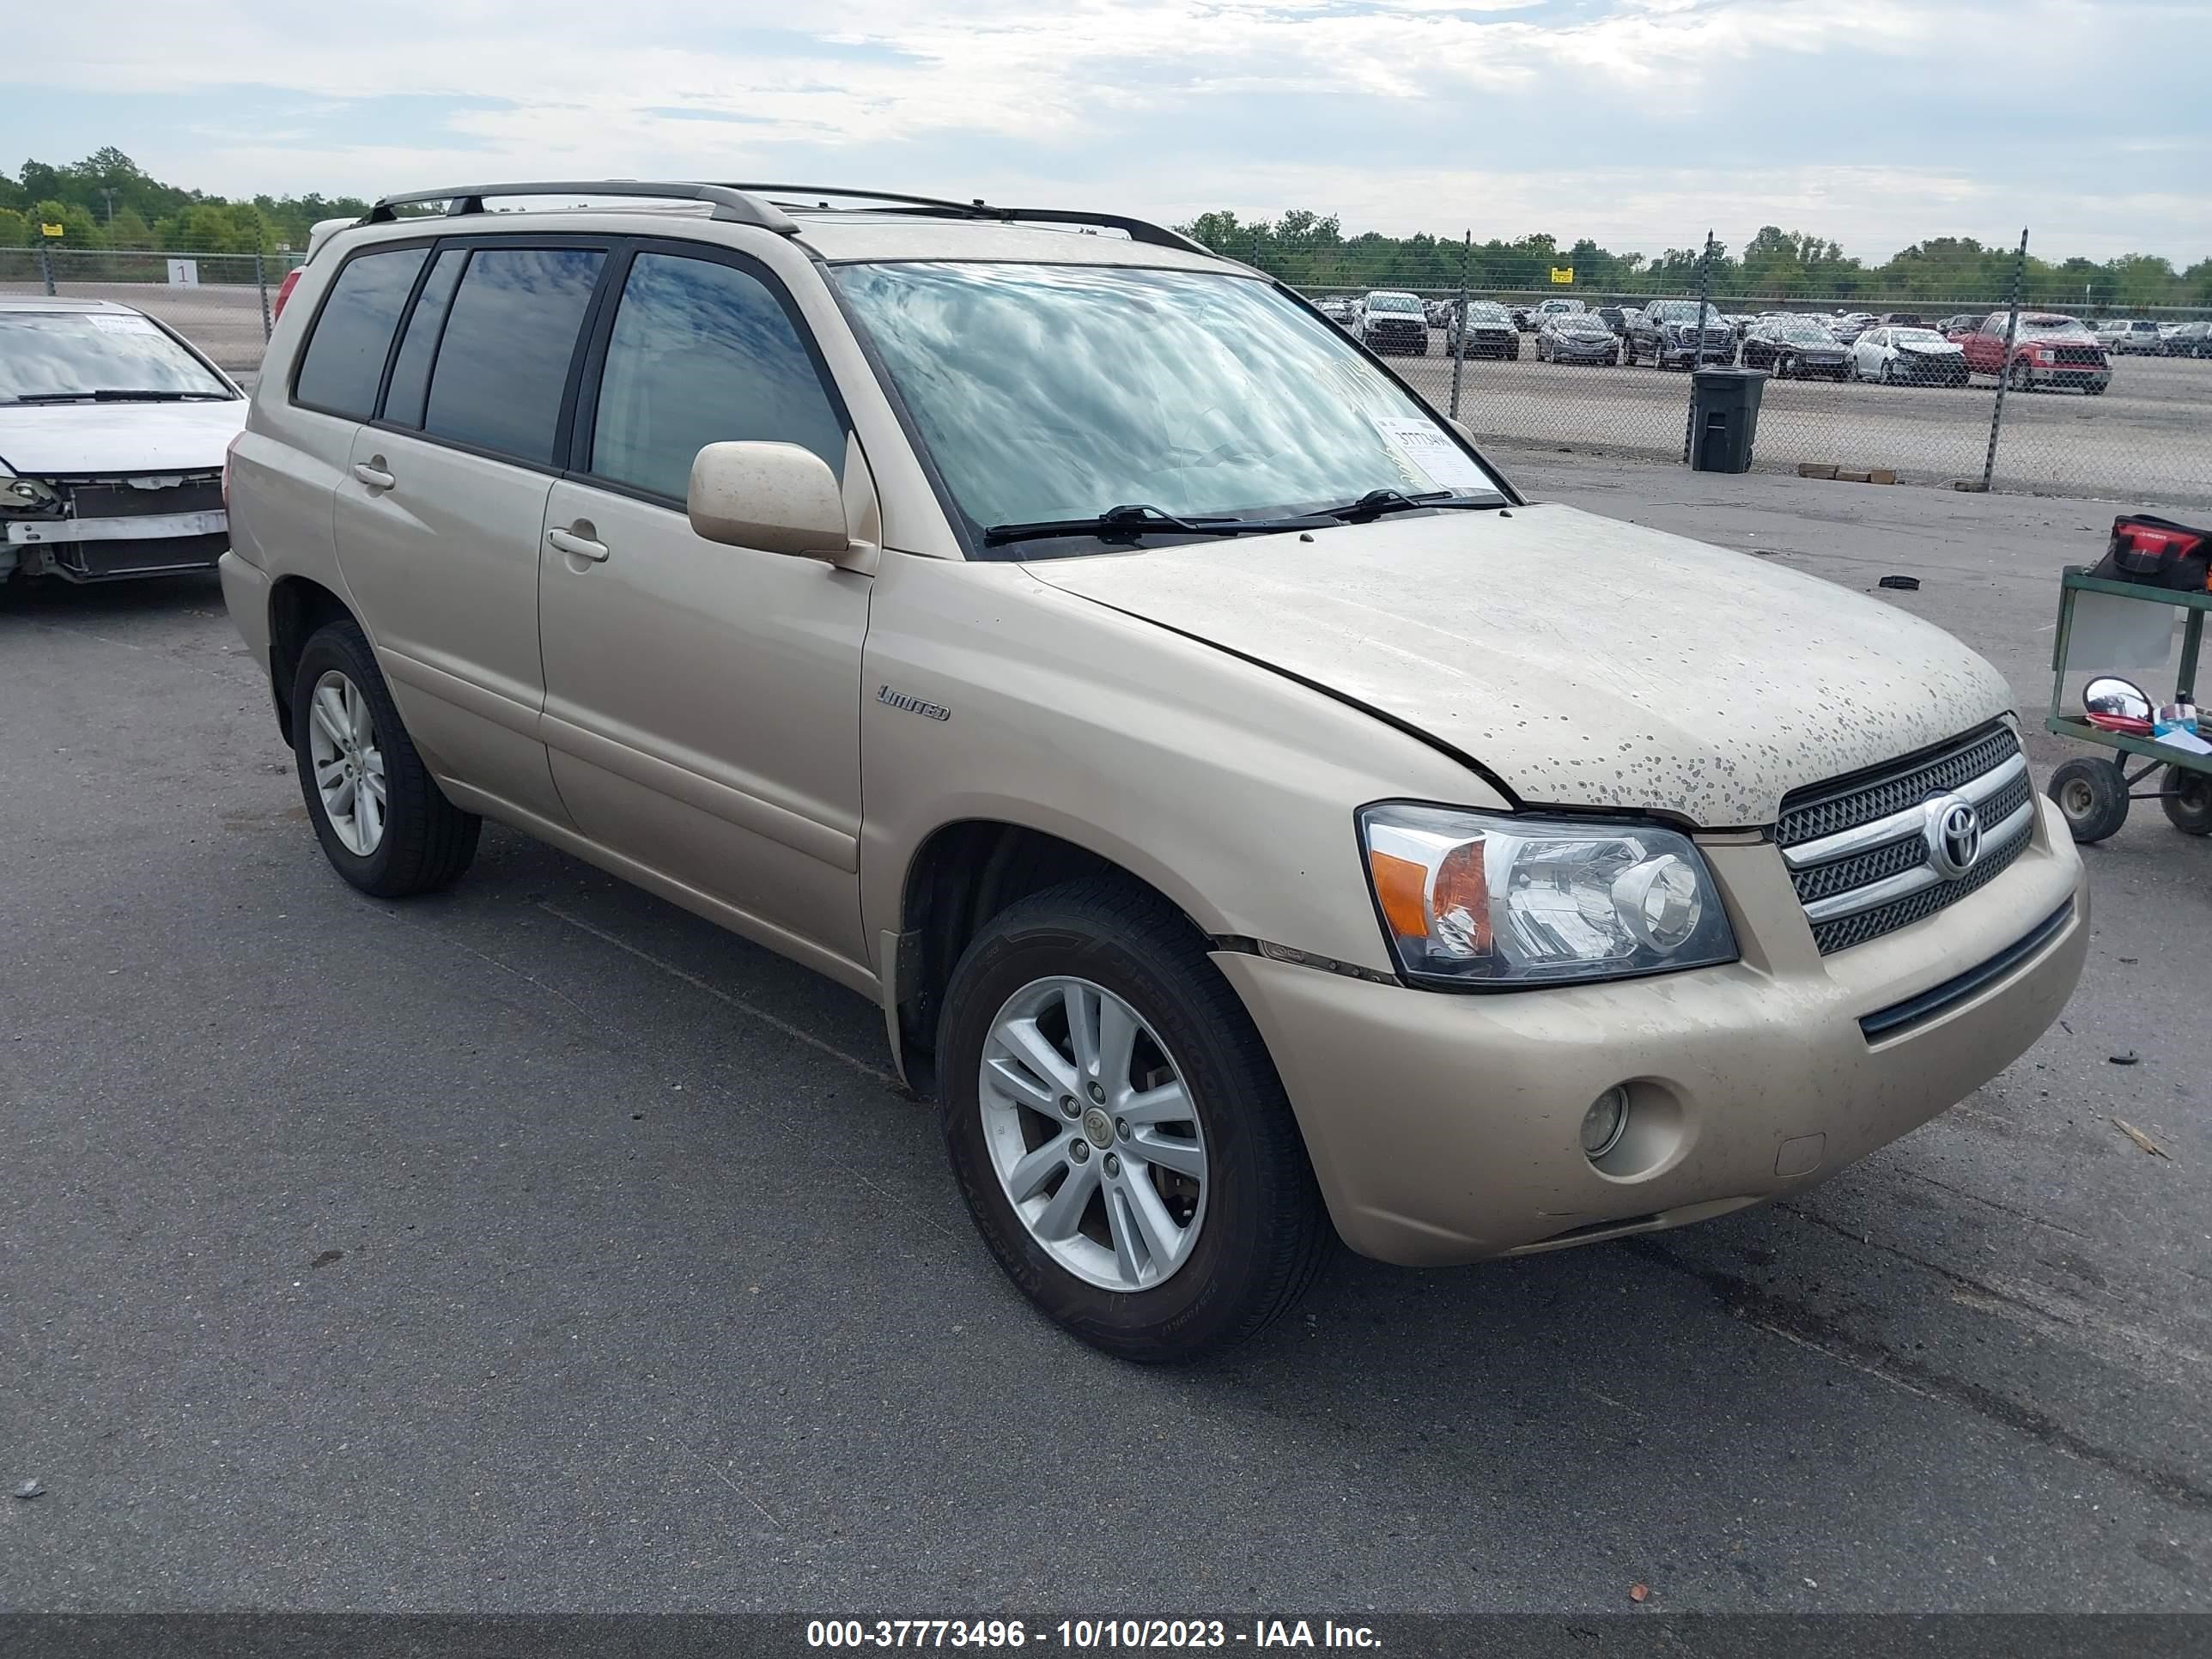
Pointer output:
x,y
2047,349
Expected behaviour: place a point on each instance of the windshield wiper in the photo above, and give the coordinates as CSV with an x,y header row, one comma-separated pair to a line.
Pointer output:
x,y
110,395
1376,502
1142,520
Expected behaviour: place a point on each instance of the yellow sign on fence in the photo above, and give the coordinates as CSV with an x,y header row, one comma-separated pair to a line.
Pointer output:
x,y
50,230
1565,277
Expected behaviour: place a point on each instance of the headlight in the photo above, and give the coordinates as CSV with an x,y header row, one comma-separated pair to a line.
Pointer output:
x,y
1481,899
26,496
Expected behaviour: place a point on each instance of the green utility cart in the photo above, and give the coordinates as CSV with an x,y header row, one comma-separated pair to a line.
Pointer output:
x,y
2093,794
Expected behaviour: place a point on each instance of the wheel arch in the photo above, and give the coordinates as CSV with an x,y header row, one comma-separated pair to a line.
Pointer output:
x,y
961,875
298,606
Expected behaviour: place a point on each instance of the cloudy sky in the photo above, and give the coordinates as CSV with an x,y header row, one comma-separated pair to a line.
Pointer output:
x,y
1638,123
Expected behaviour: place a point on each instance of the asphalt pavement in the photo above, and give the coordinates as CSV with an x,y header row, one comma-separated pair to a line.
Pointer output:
x,y
540,1246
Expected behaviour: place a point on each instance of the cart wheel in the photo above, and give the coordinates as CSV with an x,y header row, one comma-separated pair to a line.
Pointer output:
x,y
2187,798
2093,796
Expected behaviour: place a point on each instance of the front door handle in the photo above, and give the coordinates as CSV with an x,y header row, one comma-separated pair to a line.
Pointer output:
x,y
582,547
373,475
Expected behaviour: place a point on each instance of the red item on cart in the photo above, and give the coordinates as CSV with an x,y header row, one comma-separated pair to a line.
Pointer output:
x,y
2158,553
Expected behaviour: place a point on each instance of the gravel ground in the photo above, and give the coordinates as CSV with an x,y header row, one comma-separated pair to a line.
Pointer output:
x,y
540,1246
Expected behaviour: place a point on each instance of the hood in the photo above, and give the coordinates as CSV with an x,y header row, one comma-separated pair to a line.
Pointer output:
x,y
2027,336
45,441
1582,661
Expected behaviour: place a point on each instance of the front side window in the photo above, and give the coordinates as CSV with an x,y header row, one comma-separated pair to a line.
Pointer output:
x,y
1052,392
702,353
503,362
64,356
344,359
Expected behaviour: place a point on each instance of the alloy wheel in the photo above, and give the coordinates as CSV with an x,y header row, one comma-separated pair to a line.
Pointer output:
x,y
349,763
1093,1135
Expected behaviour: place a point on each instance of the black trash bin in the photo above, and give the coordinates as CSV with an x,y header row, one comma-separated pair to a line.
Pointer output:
x,y
1724,417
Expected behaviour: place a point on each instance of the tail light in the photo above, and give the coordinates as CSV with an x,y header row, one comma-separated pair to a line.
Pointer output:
x,y
285,291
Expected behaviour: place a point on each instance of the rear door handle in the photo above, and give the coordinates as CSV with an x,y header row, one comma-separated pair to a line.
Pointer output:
x,y
581,546
375,477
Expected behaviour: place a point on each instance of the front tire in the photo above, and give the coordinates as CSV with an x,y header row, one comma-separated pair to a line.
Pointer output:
x,y
2092,796
1118,1129
384,824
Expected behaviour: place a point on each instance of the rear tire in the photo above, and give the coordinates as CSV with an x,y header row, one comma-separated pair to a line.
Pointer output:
x,y
419,841
1260,1229
2092,796
2187,798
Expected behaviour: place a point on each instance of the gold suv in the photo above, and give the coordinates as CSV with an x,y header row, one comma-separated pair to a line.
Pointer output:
x,y
1254,816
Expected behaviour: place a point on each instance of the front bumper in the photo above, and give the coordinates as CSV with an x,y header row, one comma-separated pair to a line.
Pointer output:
x,y
1382,343
1939,369
2068,374
1444,1129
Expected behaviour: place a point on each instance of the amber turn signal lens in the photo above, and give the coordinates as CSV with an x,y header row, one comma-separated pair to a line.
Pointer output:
x,y
1463,898
1401,886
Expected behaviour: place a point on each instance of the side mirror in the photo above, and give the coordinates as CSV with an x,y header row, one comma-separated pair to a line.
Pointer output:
x,y
777,497
2112,695
1460,426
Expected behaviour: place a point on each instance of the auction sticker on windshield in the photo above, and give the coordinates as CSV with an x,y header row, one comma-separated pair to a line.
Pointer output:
x,y
1431,452
107,324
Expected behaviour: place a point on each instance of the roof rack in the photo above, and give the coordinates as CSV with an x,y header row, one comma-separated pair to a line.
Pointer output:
x,y
1137,230
729,203
747,205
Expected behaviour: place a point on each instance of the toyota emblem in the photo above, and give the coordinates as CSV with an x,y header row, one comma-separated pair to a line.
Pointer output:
x,y
1953,829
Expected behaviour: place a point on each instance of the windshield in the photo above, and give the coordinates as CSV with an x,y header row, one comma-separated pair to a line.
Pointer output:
x,y
1919,337
1580,325
49,352
1486,310
1805,333
1060,391
2061,327
1393,302
1681,311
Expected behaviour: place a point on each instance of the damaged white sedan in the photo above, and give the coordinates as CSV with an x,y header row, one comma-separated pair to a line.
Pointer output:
x,y
112,435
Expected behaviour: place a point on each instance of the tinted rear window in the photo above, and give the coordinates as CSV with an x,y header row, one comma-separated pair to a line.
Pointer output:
x,y
344,359
504,360
410,371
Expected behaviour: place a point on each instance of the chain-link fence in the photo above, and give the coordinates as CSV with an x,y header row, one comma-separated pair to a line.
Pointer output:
x,y
222,302
2079,401
2001,389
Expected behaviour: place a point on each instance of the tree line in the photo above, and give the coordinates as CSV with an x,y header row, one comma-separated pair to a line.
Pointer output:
x,y
1310,251
107,200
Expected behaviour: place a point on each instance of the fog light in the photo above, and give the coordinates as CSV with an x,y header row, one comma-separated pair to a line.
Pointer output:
x,y
1602,1124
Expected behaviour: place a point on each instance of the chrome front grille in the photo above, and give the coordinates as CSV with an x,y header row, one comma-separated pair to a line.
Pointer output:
x,y
1858,849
